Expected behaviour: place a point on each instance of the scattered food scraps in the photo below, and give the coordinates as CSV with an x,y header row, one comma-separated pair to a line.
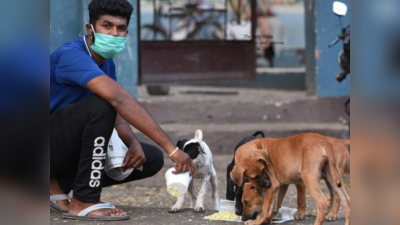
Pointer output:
x,y
227,216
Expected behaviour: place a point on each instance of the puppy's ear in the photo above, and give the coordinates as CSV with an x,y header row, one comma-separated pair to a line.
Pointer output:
x,y
198,136
257,189
237,175
263,157
181,143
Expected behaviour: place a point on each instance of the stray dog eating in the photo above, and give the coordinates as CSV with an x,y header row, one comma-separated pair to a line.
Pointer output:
x,y
234,191
201,155
253,200
253,196
304,158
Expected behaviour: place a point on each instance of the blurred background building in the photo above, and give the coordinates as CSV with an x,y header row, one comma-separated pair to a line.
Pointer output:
x,y
182,52
196,42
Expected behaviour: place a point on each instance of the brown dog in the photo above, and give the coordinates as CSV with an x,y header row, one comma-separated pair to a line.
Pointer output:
x,y
253,199
304,158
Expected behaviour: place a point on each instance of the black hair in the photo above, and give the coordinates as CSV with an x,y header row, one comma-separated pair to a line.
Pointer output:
x,y
98,8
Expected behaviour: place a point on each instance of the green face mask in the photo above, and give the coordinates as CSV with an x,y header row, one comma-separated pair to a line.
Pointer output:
x,y
108,46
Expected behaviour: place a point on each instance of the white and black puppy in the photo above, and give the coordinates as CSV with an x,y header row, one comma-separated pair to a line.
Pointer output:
x,y
201,155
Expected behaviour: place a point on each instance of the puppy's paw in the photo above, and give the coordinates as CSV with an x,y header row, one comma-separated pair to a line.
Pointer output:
x,y
252,222
258,221
174,210
198,210
299,215
216,204
331,217
249,222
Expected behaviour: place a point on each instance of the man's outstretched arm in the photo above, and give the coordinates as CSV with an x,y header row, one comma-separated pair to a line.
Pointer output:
x,y
131,110
134,157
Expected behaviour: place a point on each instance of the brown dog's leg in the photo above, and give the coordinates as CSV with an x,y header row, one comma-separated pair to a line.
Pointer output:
x,y
301,201
312,183
281,195
334,203
269,197
345,199
342,156
346,202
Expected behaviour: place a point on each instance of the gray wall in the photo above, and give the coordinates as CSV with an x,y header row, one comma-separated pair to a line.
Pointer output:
x,y
68,19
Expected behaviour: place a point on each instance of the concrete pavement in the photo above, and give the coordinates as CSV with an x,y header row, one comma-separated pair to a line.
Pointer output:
x,y
226,115
147,201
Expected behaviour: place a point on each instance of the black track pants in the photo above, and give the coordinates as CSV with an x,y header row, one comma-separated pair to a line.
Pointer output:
x,y
79,135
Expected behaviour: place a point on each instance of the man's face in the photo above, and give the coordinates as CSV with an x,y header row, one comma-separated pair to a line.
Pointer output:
x,y
112,25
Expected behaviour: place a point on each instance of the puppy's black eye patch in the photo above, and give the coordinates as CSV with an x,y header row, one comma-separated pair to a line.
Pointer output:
x,y
192,150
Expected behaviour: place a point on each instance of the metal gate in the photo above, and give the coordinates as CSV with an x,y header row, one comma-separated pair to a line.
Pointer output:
x,y
194,58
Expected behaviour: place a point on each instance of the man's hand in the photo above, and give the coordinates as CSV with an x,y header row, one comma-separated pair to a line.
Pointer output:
x,y
183,163
134,158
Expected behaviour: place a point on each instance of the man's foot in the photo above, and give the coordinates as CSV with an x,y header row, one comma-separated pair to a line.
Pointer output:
x,y
56,190
76,206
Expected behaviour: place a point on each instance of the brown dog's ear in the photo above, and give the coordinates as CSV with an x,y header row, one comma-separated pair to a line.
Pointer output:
x,y
255,188
259,190
262,156
237,175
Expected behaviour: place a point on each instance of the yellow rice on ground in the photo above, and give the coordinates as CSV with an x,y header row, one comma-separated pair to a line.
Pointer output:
x,y
230,216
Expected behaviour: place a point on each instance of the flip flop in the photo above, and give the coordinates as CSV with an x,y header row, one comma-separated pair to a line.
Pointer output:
x,y
82,215
53,202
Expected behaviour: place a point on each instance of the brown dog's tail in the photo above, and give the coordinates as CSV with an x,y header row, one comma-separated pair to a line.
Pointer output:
x,y
337,177
346,143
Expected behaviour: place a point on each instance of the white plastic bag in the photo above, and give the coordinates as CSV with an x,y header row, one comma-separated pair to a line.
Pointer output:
x,y
115,157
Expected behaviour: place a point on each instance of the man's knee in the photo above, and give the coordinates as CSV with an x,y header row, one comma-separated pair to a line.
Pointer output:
x,y
157,160
102,108
160,159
